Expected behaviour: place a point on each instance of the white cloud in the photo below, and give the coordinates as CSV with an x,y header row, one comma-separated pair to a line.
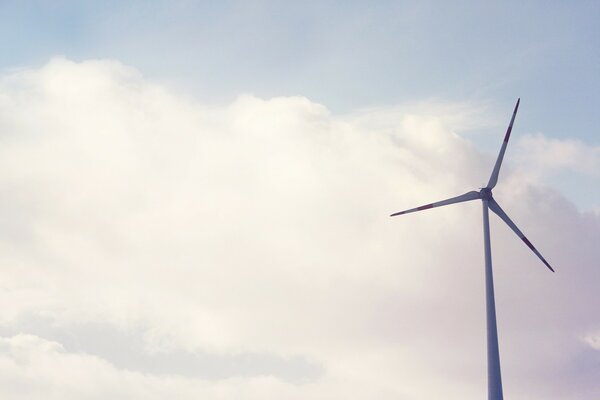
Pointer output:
x,y
560,154
593,340
570,165
261,227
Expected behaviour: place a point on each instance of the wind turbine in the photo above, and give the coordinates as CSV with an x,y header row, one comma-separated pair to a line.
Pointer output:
x,y
485,195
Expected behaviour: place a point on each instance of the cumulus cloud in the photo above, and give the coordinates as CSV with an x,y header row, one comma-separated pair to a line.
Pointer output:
x,y
593,340
561,154
570,165
257,232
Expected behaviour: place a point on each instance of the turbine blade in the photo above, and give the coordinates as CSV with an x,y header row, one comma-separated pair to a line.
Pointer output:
x,y
458,199
494,177
495,207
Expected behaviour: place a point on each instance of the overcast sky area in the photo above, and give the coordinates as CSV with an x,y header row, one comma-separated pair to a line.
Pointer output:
x,y
196,197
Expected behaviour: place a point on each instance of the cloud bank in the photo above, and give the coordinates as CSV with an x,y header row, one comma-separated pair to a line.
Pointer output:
x,y
154,246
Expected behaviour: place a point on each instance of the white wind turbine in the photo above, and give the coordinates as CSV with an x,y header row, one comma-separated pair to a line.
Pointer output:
x,y
485,195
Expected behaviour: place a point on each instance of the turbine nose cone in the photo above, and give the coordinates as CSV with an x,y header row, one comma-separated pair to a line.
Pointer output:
x,y
486,193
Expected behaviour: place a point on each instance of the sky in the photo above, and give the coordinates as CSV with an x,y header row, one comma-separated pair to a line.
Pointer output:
x,y
195,199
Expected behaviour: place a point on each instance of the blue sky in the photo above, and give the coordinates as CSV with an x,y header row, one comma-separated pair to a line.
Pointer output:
x,y
195,198
345,55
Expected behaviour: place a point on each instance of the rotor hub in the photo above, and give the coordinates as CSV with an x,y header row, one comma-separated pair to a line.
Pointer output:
x,y
486,193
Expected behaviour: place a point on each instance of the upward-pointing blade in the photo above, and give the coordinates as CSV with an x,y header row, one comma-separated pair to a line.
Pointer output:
x,y
495,207
496,171
472,195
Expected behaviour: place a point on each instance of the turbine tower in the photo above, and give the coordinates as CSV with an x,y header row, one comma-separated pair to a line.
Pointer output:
x,y
489,203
